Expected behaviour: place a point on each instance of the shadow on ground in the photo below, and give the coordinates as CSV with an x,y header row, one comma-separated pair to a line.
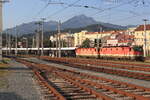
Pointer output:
x,y
10,96
14,68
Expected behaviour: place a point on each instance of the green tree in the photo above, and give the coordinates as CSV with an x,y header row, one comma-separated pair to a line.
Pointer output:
x,y
86,44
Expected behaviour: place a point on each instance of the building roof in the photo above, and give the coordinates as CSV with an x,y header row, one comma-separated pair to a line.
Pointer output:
x,y
122,38
105,32
141,28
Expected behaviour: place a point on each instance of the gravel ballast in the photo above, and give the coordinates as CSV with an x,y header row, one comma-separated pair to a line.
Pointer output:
x,y
19,84
109,76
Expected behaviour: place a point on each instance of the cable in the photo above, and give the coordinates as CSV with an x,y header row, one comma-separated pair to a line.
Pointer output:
x,y
130,17
61,10
42,10
122,4
85,6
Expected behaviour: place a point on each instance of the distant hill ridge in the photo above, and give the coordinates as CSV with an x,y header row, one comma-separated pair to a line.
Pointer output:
x,y
80,21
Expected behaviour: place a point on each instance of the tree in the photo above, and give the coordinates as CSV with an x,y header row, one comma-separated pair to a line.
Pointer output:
x,y
138,48
86,44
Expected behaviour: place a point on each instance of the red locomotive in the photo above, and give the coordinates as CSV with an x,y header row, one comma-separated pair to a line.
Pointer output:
x,y
117,52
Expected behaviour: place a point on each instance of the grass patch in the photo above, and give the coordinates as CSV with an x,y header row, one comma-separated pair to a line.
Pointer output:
x,y
3,81
3,66
5,61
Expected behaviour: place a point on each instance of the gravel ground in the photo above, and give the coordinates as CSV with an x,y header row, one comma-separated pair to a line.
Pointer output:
x,y
115,68
18,84
113,77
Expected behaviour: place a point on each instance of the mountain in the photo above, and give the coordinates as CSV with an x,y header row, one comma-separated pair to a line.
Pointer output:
x,y
30,27
90,28
80,21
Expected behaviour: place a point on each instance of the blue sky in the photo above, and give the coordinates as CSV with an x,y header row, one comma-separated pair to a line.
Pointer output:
x,y
121,12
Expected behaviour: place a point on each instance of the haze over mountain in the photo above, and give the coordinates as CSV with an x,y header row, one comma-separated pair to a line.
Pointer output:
x,y
79,21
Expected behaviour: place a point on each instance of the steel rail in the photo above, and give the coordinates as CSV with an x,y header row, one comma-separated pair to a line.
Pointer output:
x,y
100,63
98,95
52,90
91,91
43,66
136,75
101,86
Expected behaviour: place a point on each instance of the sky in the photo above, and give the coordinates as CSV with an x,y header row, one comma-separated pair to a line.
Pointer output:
x,y
121,12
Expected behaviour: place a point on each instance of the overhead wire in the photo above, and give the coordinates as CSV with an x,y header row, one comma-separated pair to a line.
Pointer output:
x,y
122,4
42,10
76,5
61,10
135,15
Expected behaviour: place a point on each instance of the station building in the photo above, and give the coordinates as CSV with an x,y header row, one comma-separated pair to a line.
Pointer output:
x,y
92,36
139,37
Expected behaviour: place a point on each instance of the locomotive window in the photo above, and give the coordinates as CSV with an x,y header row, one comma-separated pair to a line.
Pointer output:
x,y
130,49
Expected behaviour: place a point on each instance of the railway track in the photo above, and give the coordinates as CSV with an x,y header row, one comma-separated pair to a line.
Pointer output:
x,y
108,64
62,88
74,85
129,74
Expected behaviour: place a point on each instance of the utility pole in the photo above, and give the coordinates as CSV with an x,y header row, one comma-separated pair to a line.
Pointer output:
x,y
26,40
33,42
56,45
9,43
6,43
16,41
38,37
42,36
59,40
145,40
1,25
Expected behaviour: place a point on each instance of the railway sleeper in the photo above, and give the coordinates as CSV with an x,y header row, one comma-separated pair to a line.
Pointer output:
x,y
109,93
109,88
92,92
133,75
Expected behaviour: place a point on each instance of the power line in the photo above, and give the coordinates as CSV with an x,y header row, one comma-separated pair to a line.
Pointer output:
x,y
61,10
42,9
83,6
129,18
122,4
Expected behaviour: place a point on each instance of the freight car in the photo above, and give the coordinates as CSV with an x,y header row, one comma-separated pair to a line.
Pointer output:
x,y
117,52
